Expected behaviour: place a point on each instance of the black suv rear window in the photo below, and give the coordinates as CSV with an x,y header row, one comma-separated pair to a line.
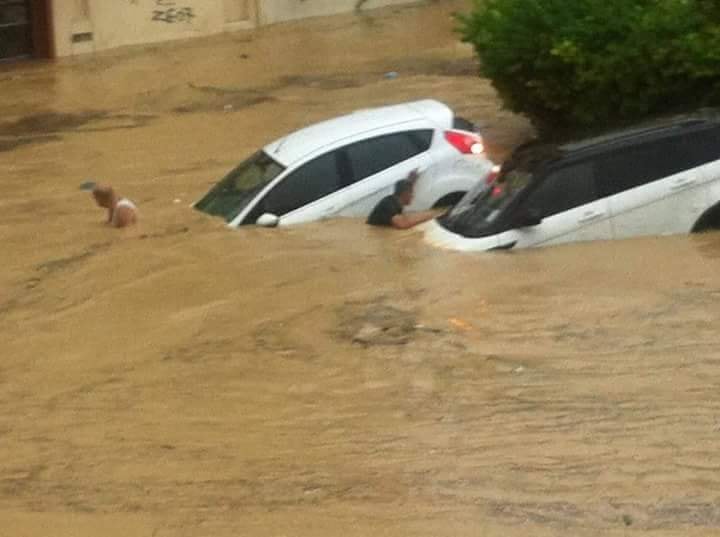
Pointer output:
x,y
637,165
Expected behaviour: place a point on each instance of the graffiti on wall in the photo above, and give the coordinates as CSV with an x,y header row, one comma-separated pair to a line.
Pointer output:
x,y
169,12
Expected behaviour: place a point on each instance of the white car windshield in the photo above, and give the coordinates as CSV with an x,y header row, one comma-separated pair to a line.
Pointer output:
x,y
231,195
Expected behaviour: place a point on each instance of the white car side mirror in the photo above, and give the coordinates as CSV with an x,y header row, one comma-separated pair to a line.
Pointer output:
x,y
268,220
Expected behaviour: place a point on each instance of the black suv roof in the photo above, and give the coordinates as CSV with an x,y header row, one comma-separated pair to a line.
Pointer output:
x,y
537,152
652,129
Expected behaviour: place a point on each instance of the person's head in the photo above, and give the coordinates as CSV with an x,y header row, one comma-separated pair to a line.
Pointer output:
x,y
104,196
404,191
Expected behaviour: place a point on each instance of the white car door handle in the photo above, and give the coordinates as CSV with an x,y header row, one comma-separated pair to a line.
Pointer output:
x,y
589,216
682,183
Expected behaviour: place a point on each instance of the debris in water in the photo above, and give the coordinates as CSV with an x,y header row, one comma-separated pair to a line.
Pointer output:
x,y
459,323
367,334
376,323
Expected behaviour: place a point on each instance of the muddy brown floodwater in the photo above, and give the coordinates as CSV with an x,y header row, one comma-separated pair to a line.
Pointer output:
x,y
182,379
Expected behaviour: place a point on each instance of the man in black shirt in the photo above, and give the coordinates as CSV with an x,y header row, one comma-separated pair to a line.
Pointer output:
x,y
389,211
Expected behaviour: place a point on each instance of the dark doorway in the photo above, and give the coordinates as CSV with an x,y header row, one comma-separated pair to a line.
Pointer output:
x,y
25,29
41,12
15,29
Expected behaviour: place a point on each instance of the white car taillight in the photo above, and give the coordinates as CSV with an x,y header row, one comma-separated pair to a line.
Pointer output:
x,y
465,142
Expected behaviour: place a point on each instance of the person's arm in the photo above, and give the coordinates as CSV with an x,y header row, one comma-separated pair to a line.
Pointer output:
x,y
406,221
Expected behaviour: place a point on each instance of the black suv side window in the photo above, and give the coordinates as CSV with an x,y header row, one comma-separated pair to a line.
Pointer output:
x,y
635,166
702,147
563,189
372,156
312,181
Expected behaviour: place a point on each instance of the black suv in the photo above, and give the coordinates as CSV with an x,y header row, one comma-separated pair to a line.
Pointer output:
x,y
661,178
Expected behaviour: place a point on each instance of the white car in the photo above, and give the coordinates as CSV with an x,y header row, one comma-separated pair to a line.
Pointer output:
x,y
655,180
344,166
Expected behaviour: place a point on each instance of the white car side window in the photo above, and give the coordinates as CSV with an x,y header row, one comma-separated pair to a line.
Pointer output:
x,y
372,156
312,181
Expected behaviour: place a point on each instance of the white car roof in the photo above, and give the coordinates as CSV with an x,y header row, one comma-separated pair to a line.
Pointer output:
x,y
296,145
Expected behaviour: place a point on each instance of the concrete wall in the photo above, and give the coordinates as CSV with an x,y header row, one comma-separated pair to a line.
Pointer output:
x,y
92,25
283,10
82,26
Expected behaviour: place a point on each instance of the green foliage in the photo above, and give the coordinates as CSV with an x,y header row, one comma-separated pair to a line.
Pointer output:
x,y
567,63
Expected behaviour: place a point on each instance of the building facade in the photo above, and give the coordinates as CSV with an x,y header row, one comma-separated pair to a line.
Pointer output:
x,y
57,28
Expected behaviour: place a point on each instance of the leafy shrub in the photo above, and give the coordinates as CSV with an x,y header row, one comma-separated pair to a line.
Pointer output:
x,y
568,63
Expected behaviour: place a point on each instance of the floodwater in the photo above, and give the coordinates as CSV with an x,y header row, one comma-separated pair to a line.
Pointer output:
x,y
182,379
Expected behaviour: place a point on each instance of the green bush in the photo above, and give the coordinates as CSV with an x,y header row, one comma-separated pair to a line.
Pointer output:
x,y
570,63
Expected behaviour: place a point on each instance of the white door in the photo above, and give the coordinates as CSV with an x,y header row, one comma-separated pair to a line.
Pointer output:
x,y
371,167
655,188
566,202
312,192
691,189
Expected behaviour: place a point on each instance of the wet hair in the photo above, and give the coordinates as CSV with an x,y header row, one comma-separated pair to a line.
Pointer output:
x,y
103,194
403,186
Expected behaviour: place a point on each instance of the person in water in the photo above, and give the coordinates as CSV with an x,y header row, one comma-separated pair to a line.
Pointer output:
x,y
389,211
121,211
